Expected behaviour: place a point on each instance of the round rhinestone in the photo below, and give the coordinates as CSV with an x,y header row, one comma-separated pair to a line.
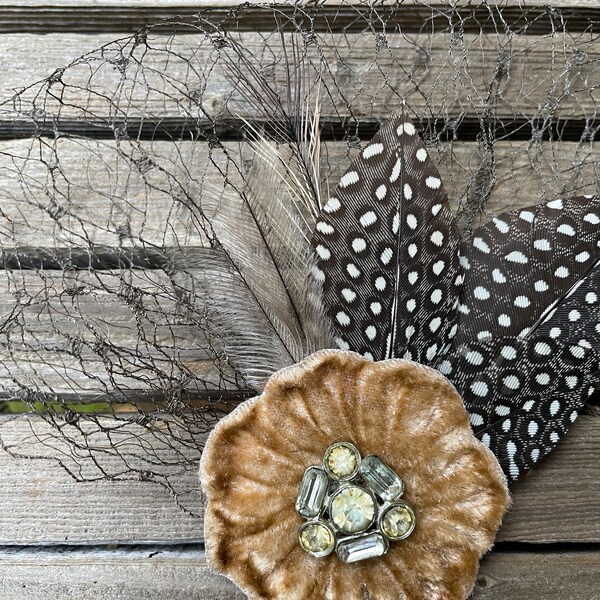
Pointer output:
x,y
341,460
316,538
352,509
398,522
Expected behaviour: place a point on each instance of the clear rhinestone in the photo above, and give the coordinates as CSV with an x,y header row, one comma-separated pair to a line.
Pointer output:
x,y
352,509
341,460
381,478
398,521
361,548
312,492
316,538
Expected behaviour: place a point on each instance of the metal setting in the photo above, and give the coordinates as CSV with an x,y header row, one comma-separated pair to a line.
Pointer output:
x,y
339,518
313,544
408,521
351,454
352,505
312,492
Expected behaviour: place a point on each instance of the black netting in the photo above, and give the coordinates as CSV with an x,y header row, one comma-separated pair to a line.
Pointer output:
x,y
104,167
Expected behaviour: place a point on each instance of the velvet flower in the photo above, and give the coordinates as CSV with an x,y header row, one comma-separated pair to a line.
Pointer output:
x,y
409,415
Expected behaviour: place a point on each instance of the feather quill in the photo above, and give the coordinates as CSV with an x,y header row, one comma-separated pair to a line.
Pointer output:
x,y
292,116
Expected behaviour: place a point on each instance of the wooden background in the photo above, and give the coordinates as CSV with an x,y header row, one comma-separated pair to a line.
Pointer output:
x,y
127,539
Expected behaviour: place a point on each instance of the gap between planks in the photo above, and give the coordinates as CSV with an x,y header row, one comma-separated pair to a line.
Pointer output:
x,y
31,15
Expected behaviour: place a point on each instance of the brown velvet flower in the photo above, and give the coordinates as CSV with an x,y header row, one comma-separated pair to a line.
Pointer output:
x,y
407,414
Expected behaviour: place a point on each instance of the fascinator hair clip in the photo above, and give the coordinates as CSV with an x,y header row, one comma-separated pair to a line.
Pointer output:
x,y
407,375
392,373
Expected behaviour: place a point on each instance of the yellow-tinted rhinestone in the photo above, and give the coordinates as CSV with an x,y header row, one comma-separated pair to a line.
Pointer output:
x,y
352,509
316,539
341,460
398,522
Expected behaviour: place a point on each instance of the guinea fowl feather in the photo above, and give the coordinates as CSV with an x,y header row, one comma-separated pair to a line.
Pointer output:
x,y
388,250
521,262
498,315
521,391
526,354
525,357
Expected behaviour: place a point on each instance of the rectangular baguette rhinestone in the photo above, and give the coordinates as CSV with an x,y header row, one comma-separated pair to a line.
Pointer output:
x,y
361,548
381,479
312,492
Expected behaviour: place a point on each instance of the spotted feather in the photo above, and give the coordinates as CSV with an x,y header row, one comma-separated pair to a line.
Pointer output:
x,y
526,356
522,393
388,251
521,262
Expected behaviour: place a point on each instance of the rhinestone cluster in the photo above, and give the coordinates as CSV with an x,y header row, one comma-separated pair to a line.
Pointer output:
x,y
352,505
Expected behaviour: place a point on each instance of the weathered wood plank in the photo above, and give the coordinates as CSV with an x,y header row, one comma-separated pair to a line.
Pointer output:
x,y
52,51
539,576
87,335
456,76
81,192
50,506
152,574
40,503
71,192
328,4
181,574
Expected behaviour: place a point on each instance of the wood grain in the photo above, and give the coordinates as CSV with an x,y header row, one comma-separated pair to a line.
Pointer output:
x,y
540,576
328,4
182,574
460,76
137,574
80,193
40,503
77,192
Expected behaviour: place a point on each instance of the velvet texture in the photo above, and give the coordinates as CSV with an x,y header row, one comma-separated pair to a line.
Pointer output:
x,y
410,416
